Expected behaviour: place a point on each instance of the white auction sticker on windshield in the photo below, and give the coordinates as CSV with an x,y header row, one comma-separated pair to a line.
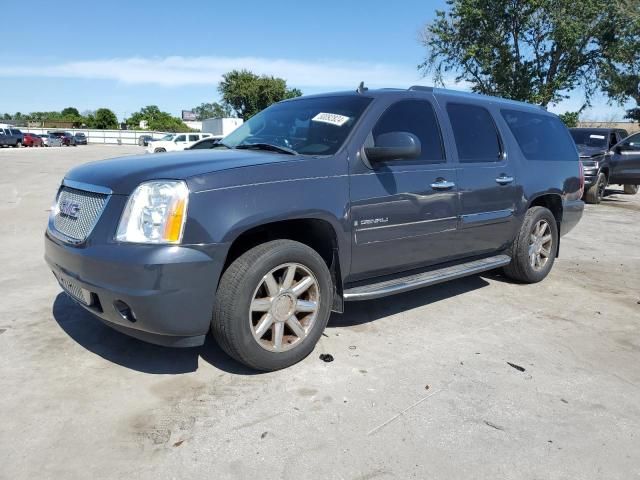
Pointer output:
x,y
600,137
331,118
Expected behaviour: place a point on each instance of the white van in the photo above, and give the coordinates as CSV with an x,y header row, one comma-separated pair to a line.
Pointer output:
x,y
175,142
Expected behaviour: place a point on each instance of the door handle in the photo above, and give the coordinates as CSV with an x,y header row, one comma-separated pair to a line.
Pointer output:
x,y
504,180
442,184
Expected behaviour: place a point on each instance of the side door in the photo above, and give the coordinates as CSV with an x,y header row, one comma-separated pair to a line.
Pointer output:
x,y
487,180
403,212
180,142
625,161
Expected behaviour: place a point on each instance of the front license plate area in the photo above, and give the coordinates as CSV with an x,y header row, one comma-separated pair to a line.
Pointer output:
x,y
73,289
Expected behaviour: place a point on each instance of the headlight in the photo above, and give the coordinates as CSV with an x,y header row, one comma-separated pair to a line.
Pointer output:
x,y
155,213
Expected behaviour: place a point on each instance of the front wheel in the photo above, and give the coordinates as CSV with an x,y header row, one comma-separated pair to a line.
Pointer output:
x,y
534,249
159,150
595,193
630,189
272,305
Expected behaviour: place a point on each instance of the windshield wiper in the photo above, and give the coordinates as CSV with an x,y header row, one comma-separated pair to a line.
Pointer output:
x,y
267,146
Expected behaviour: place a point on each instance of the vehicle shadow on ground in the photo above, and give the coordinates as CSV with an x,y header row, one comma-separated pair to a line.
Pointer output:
x,y
116,347
358,313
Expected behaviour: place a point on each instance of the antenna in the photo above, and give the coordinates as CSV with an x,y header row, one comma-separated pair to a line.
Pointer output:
x,y
361,88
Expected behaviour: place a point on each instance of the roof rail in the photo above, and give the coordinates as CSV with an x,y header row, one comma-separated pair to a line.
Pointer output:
x,y
421,88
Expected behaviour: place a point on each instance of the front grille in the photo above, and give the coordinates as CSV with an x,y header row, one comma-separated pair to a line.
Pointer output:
x,y
78,212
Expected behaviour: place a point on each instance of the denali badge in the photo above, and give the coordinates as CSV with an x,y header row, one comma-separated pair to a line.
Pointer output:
x,y
69,208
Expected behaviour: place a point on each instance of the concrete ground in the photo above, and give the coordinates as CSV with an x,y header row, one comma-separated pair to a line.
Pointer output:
x,y
420,386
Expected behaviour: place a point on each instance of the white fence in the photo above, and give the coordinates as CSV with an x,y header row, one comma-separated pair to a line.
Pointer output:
x,y
113,137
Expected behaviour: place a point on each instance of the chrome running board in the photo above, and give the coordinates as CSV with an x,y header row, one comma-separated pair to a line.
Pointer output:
x,y
411,282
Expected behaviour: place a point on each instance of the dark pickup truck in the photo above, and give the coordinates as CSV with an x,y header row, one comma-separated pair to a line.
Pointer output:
x,y
315,201
608,157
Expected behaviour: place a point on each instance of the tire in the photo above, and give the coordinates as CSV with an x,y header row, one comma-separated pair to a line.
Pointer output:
x,y
595,192
523,266
630,189
236,325
159,150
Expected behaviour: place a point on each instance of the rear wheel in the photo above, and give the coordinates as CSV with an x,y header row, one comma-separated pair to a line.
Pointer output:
x,y
160,150
272,305
630,189
595,192
534,249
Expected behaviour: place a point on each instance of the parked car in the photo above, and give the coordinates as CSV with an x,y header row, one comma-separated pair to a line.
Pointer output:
x,y
80,138
66,138
208,142
11,137
594,146
175,142
625,164
314,201
143,140
32,140
50,140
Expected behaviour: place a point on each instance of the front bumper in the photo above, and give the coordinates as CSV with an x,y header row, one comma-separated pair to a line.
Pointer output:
x,y
168,289
571,215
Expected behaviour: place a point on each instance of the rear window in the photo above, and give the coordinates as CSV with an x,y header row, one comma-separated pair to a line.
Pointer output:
x,y
540,136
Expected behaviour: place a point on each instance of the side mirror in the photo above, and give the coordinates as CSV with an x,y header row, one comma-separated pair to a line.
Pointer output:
x,y
394,146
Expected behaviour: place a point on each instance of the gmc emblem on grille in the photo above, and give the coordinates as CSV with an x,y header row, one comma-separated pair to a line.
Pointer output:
x,y
69,208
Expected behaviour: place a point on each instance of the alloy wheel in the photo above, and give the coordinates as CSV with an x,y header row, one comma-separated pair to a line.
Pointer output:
x,y
284,307
540,243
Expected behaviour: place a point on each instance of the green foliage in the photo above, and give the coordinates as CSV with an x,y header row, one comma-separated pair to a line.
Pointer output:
x,y
104,119
70,112
212,110
619,39
531,50
157,120
570,119
247,93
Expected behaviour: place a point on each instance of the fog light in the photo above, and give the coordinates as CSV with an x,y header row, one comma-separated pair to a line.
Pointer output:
x,y
125,311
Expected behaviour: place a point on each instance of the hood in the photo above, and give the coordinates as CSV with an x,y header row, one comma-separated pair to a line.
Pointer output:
x,y
122,175
586,151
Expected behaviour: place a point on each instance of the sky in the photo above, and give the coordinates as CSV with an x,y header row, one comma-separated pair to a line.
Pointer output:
x,y
124,55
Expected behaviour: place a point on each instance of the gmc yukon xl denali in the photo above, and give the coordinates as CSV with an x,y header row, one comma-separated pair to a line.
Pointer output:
x,y
315,201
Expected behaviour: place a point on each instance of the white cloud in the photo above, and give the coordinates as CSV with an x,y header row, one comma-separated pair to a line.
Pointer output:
x,y
183,71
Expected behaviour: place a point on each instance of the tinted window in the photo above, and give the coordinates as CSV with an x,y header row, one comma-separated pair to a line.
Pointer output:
x,y
475,133
633,140
589,138
181,138
194,138
417,117
540,136
16,132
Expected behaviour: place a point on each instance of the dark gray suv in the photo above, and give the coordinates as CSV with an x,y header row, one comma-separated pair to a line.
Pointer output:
x,y
315,201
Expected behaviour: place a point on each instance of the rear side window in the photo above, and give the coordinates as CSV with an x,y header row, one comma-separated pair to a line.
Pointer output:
x,y
417,117
540,136
475,133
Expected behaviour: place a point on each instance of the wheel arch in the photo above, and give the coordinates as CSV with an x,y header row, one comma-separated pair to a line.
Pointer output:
x,y
552,202
317,233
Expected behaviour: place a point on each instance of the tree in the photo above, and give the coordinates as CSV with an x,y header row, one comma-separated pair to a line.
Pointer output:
x,y
619,66
212,110
103,119
157,120
247,93
531,50
70,112
570,119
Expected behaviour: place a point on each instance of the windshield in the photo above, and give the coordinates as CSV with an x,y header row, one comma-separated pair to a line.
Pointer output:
x,y
308,126
590,138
